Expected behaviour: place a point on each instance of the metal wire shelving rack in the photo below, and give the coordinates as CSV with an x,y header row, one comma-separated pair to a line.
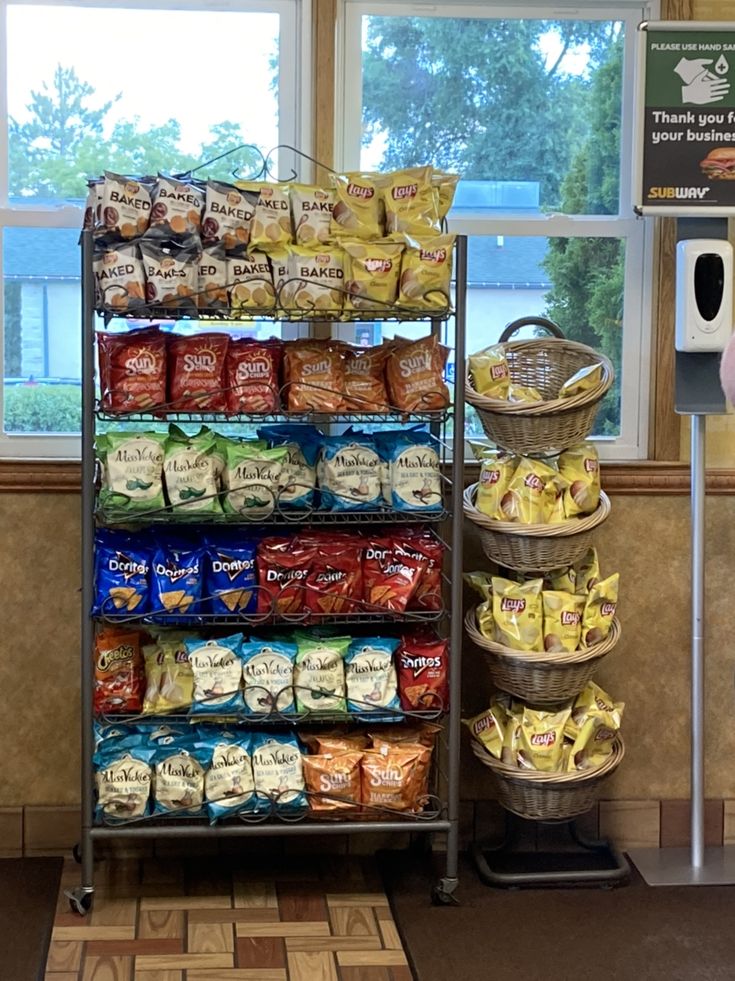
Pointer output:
x,y
441,810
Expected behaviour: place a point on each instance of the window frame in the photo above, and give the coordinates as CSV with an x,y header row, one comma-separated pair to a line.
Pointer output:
x,y
637,232
295,129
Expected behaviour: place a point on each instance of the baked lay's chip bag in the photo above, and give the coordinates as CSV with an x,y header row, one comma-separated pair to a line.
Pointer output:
x,y
119,278
311,209
196,367
518,614
496,471
314,377
228,213
580,465
541,740
426,272
271,224
415,376
581,381
333,782
587,571
372,272
411,206
562,620
531,494
318,279
365,389
490,373
358,207
599,610
488,730
119,679
212,290
250,282
132,369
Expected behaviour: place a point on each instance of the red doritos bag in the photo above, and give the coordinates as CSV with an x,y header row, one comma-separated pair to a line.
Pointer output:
x,y
283,565
197,373
132,370
391,575
423,545
423,672
334,584
252,376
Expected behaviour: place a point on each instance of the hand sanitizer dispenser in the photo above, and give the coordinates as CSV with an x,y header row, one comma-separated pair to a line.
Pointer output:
x,y
704,271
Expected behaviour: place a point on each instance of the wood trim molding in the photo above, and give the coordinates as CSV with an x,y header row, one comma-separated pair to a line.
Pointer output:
x,y
324,19
666,425
40,476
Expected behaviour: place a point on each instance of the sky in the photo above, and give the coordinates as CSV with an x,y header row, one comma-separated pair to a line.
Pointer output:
x,y
205,70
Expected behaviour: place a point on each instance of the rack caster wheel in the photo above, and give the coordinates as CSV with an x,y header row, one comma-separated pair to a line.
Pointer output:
x,y
440,897
77,853
80,900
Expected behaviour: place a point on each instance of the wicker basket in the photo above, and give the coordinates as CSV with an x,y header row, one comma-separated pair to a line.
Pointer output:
x,y
549,796
540,678
542,428
534,547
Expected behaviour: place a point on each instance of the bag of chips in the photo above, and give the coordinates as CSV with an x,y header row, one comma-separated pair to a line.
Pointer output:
x,y
358,208
229,785
123,777
413,470
349,476
251,375
591,701
268,668
228,214
197,372
93,204
171,274
415,376
426,273
212,271
121,568
176,209
189,472
411,206
420,780
524,393
562,620
319,674
365,389
372,272
132,471
318,279
391,574
177,573
173,673
490,373
271,224
414,731
599,610
531,494
563,580
125,208
370,674
587,571
178,782
132,370
540,740
334,583
580,465
422,544
487,728
230,578
283,565
217,668
278,772
333,782
518,614
119,679
389,778
423,672
581,381
445,186
496,470
250,282
119,278
297,480
311,209
314,377
481,582
251,479
335,742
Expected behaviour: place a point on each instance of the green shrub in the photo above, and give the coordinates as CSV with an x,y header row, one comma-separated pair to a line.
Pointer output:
x,y
43,408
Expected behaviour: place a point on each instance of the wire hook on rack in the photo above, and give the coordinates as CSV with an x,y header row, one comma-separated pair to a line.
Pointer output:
x,y
299,153
261,172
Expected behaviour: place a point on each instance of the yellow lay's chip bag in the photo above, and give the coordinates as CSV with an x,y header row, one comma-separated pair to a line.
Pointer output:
x,y
411,206
495,476
372,272
481,582
541,740
590,700
587,571
524,393
595,739
271,223
518,614
490,373
581,381
557,509
564,580
444,186
358,206
511,741
531,494
599,610
426,272
487,729
580,465
562,620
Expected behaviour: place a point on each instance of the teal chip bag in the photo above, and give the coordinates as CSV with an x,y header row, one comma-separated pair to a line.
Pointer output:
x,y
252,479
278,772
413,479
319,674
178,783
267,671
217,668
123,775
190,472
132,471
229,787
371,680
350,473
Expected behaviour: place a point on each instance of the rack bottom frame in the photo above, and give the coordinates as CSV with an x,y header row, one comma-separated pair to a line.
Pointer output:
x,y
260,830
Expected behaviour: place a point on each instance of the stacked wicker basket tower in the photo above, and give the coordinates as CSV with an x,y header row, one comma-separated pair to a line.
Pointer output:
x,y
541,679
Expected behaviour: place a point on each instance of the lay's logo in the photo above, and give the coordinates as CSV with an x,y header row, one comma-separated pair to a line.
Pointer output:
x,y
509,605
378,265
543,739
534,482
608,609
436,256
360,191
404,192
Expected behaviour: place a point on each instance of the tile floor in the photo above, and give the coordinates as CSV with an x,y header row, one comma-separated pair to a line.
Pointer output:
x,y
168,919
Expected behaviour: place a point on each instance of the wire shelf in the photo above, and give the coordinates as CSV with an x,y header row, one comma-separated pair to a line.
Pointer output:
x,y
276,717
393,416
167,516
304,618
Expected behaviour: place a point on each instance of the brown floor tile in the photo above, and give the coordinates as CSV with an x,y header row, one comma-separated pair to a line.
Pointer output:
x,y
389,935
301,901
370,958
133,948
264,952
333,943
159,976
65,976
107,969
356,899
185,902
353,921
284,928
364,974
211,938
317,966
183,962
161,924
258,894
86,932
402,973
248,915
113,912
64,955
240,974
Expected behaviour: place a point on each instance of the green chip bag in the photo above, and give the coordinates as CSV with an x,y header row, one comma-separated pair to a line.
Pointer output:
x,y
190,471
132,471
319,673
251,479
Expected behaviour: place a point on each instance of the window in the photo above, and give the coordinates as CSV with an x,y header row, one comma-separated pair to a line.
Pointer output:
x,y
94,86
533,106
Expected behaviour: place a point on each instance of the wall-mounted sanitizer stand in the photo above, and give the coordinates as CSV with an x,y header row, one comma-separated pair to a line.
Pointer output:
x,y
703,326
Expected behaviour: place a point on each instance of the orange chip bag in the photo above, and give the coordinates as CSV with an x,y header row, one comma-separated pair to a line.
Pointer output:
x,y
119,678
335,742
358,208
415,376
334,780
314,377
423,763
411,204
389,777
364,382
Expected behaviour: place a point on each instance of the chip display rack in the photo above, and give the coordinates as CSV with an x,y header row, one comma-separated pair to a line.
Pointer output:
x,y
440,810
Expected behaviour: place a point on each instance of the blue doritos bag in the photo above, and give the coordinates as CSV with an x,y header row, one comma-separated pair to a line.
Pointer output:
x,y
350,473
228,782
370,675
413,479
123,777
267,670
217,668
230,578
121,570
278,772
177,580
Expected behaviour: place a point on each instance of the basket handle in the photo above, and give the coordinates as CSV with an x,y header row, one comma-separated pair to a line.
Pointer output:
x,y
515,325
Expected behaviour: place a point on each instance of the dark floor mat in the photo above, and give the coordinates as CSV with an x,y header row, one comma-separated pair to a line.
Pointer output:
x,y
633,932
28,891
